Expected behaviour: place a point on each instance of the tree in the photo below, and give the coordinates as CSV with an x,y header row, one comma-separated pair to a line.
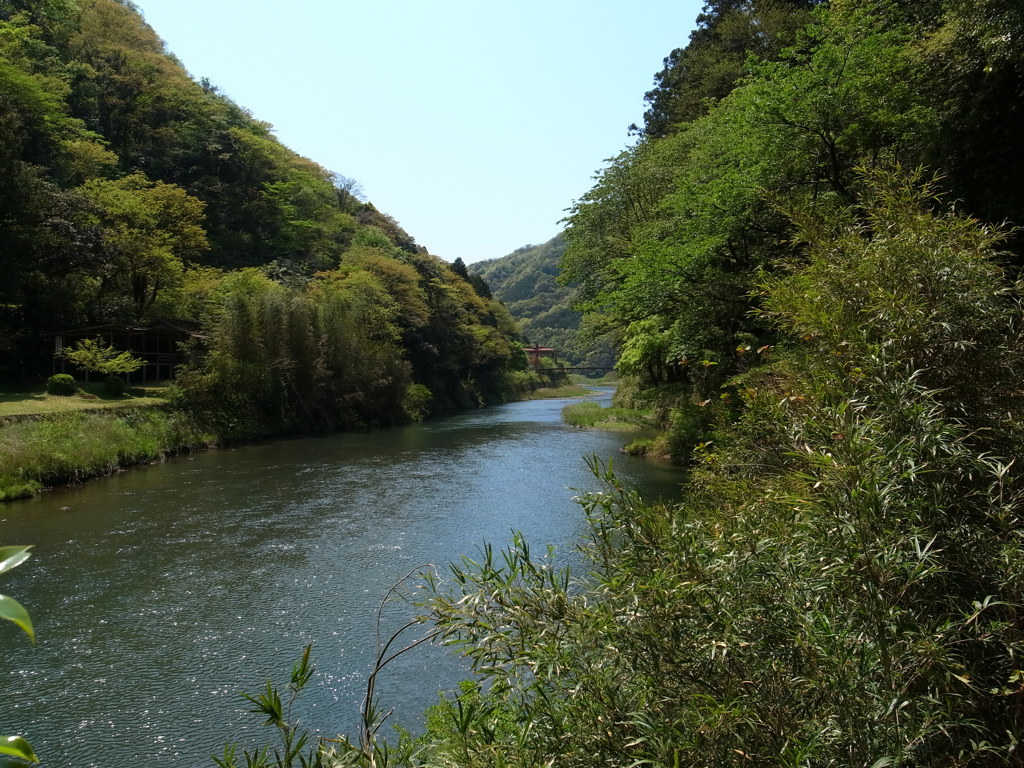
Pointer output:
x,y
728,33
92,356
459,268
671,238
149,230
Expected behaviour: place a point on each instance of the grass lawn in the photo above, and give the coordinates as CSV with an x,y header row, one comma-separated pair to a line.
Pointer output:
x,y
31,402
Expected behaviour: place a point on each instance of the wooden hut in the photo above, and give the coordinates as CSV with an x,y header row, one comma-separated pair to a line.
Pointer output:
x,y
159,344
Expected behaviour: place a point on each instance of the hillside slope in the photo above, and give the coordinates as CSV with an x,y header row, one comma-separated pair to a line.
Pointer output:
x,y
130,192
526,282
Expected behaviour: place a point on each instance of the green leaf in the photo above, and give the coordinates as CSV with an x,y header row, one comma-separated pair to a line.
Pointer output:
x,y
17,747
11,610
11,557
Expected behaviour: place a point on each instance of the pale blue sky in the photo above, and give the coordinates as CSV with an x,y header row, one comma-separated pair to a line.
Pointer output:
x,y
474,124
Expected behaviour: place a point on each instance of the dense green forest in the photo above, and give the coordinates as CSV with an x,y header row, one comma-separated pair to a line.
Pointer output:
x,y
526,282
777,113
130,192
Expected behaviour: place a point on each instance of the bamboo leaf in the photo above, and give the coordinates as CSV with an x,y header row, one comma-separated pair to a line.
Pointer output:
x,y
11,557
11,610
16,746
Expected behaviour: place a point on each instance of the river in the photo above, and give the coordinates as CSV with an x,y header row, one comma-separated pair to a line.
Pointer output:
x,y
160,594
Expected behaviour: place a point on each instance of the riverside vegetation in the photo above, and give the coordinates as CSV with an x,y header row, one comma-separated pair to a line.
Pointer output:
x,y
805,259
842,584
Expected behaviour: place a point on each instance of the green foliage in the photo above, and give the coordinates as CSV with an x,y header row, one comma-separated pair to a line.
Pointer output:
x,y
841,584
416,403
61,384
73,446
93,356
114,386
137,215
11,610
525,281
376,341
321,354
149,230
668,246
294,749
18,748
707,69
591,414
972,54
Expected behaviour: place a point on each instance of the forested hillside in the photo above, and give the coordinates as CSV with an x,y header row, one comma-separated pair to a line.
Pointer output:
x,y
777,113
129,192
526,282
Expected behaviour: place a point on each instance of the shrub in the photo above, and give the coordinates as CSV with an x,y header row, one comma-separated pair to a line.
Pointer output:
x,y
61,384
416,403
643,446
114,385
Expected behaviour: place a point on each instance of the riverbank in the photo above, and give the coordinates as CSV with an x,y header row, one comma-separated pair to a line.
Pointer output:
x,y
48,440
653,441
551,393
72,446
33,401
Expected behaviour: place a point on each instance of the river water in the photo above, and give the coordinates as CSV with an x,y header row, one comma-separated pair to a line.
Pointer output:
x,y
161,593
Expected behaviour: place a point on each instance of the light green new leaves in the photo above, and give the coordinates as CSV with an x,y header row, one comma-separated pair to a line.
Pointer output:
x,y
11,609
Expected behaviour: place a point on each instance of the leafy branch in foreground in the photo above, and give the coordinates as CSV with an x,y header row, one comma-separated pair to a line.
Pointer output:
x,y
11,610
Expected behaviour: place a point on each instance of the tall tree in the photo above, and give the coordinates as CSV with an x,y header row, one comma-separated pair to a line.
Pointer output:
x,y
150,229
727,34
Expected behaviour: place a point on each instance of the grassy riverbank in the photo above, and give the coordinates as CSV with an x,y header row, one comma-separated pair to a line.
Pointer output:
x,y
591,415
551,393
48,440
74,445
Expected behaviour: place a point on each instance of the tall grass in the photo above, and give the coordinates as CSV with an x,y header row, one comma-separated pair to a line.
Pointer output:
x,y
593,415
73,446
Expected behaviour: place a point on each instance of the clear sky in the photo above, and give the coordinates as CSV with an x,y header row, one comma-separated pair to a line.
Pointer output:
x,y
474,123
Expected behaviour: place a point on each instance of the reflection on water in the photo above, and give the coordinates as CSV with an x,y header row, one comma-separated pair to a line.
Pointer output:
x,y
161,593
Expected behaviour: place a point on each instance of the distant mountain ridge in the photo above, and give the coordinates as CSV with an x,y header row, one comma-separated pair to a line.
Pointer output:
x,y
525,281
